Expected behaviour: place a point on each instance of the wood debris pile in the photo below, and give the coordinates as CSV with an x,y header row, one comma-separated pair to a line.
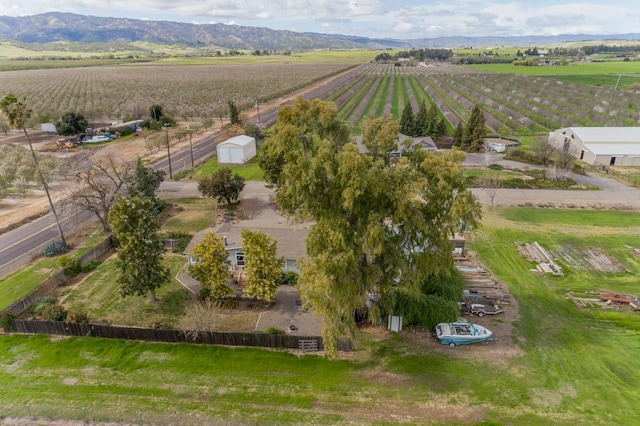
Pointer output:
x,y
536,253
480,288
606,300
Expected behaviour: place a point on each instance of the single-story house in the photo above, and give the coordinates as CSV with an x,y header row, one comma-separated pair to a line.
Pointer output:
x,y
236,150
290,243
424,142
608,146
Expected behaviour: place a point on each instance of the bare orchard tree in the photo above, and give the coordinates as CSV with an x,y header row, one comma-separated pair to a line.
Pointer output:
x,y
563,163
96,184
543,150
490,185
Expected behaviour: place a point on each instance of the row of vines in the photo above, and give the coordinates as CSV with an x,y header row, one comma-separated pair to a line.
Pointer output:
x,y
512,104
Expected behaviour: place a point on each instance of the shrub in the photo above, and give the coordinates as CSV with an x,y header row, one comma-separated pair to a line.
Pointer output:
x,y
70,265
274,330
91,266
77,317
182,240
8,320
288,278
54,248
54,313
496,167
227,303
43,303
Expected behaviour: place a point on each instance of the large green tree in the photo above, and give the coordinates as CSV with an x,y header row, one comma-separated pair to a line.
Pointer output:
x,y
262,265
420,122
223,185
144,181
135,227
71,123
17,113
212,266
377,225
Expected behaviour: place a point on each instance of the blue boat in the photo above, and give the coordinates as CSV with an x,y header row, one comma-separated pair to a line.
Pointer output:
x,y
461,333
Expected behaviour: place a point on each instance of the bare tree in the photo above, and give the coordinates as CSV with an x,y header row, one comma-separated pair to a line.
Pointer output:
x,y
98,181
490,184
563,163
543,150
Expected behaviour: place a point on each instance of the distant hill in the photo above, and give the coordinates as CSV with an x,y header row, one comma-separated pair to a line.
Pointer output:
x,y
54,26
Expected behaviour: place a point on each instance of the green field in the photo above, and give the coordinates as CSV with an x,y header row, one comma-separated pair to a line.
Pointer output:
x,y
582,68
249,171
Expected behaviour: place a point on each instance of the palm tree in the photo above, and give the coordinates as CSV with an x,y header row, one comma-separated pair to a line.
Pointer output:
x,y
17,114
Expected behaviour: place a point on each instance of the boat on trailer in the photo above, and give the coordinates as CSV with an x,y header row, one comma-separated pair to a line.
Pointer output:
x,y
461,333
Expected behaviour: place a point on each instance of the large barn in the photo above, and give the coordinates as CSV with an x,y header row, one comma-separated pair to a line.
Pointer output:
x,y
607,146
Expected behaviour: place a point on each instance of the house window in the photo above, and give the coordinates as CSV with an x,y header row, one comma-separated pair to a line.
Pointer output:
x,y
582,154
240,259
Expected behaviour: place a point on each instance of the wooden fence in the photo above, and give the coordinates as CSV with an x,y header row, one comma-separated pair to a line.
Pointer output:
x,y
176,336
53,282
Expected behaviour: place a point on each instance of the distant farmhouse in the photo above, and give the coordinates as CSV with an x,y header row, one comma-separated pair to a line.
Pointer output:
x,y
425,143
608,146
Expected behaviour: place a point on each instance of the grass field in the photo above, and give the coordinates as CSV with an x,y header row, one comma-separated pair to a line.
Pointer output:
x,y
562,365
581,68
249,171
97,295
190,215
21,283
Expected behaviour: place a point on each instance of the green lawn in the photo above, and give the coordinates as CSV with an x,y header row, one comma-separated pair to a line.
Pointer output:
x,y
190,215
21,283
249,171
98,296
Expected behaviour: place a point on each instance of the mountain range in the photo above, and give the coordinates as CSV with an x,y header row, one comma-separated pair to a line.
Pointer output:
x,y
55,26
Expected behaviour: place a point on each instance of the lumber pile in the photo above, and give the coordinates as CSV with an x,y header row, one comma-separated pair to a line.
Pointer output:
x,y
479,283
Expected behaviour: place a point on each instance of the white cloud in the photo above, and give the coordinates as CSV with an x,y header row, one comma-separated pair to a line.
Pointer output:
x,y
372,18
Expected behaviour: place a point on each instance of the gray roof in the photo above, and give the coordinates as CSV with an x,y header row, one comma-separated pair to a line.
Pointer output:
x,y
609,140
425,142
290,239
607,134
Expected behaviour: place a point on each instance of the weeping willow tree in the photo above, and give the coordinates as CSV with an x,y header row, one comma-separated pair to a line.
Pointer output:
x,y
378,225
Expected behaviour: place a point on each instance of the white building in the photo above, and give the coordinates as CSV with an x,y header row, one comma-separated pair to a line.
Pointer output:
x,y
237,150
608,146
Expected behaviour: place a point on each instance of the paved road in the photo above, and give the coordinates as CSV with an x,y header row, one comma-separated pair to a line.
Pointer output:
x,y
612,195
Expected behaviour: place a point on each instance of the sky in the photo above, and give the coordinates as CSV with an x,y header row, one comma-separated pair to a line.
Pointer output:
x,y
398,19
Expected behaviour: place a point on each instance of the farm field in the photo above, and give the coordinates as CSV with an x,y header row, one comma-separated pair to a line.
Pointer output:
x,y
562,365
186,92
512,104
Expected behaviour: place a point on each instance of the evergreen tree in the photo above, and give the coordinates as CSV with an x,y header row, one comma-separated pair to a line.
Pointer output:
x,y
475,131
458,135
407,122
135,227
234,113
431,127
144,182
421,120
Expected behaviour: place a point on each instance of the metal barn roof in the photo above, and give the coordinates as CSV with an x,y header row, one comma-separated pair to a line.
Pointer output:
x,y
241,140
607,135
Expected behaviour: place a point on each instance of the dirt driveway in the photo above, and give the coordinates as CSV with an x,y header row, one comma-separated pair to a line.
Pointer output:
x,y
285,313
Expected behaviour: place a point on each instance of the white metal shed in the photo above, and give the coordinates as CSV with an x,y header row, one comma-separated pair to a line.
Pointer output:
x,y
237,150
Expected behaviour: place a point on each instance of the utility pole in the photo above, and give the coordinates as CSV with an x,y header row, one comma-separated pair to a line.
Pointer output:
x,y
258,108
190,146
166,131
